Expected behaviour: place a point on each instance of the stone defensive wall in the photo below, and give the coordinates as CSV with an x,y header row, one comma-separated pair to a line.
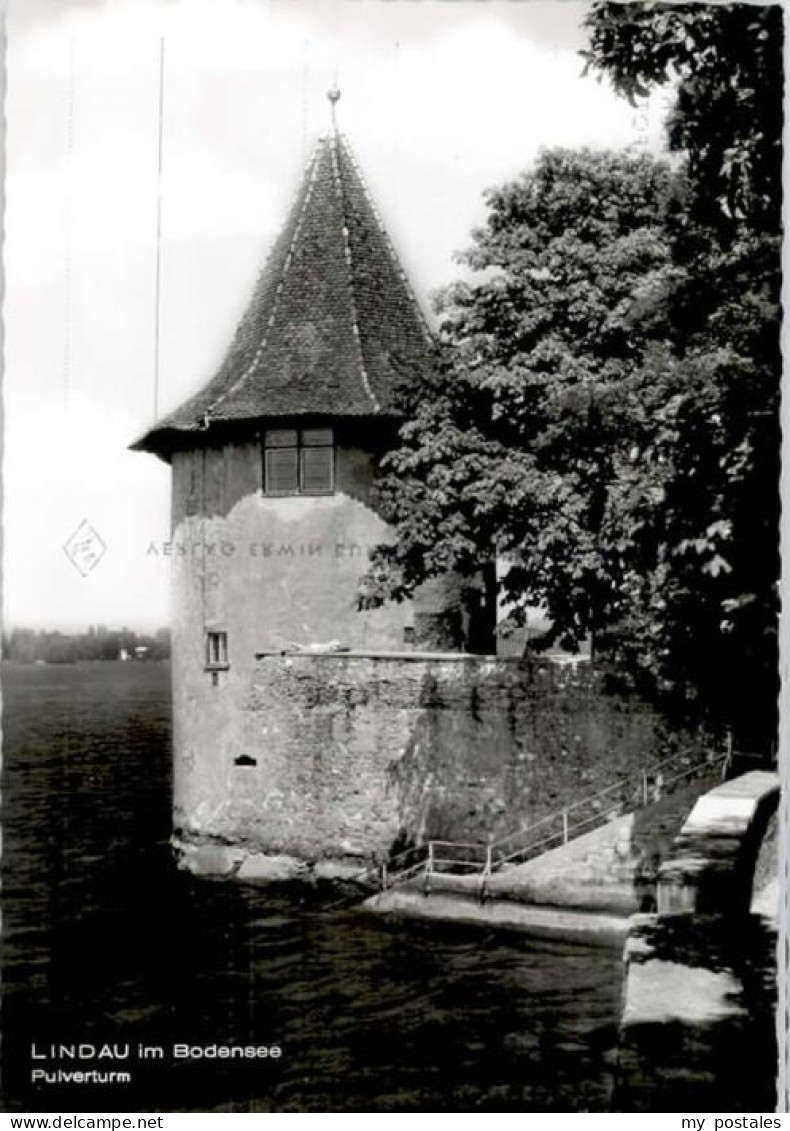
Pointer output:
x,y
348,756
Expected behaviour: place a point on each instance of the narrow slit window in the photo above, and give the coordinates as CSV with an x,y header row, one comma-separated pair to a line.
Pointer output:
x,y
299,462
216,649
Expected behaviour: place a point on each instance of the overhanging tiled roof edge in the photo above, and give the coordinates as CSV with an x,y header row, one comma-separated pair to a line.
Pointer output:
x,y
332,328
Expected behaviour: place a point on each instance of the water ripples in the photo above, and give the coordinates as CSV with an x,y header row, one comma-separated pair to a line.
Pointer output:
x,y
105,941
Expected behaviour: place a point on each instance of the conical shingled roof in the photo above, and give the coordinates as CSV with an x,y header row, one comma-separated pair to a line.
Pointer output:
x,y
333,327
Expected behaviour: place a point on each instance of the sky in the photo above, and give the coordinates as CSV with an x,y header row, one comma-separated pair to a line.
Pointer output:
x,y
440,99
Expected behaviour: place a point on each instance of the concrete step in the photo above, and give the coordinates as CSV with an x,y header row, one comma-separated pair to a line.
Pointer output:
x,y
411,902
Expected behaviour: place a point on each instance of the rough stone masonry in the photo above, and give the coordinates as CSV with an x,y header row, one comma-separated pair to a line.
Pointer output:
x,y
344,756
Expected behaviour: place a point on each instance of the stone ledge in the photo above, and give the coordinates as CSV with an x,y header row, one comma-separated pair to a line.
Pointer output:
x,y
218,861
697,994
250,865
550,922
414,656
711,865
271,869
659,991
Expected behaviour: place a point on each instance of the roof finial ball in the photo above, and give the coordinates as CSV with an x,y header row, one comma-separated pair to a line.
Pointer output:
x,y
333,94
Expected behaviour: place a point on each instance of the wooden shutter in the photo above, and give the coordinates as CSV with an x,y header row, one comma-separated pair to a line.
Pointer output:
x,y
317,438
281,438
281,469
317,471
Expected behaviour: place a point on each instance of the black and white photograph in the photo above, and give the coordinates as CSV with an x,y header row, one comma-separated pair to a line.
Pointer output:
x,y
391,558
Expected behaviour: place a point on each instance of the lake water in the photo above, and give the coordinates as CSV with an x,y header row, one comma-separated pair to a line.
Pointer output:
x,y
104,941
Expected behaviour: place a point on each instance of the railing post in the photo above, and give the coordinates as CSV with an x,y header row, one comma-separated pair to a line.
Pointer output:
x,y
428,868
565,826
644,787
384,876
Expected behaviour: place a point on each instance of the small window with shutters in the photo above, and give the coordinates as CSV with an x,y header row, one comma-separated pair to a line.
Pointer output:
x,y
216,650
299,462
281,462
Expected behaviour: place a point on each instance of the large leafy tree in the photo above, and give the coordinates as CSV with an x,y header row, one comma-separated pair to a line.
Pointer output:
x,y
723,64
513,444
607,415
715,397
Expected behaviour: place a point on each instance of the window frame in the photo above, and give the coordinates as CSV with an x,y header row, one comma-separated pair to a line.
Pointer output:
x,y
217,658
299,447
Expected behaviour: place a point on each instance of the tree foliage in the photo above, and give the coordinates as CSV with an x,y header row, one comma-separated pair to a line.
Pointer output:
x,y
606,418
723,359
724,64
512,445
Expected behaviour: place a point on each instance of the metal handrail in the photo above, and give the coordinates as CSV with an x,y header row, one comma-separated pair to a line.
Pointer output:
x,y
456,843
648,771
616,786
640,797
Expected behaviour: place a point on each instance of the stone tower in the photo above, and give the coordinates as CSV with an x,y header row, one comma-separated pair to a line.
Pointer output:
x,y
273,463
